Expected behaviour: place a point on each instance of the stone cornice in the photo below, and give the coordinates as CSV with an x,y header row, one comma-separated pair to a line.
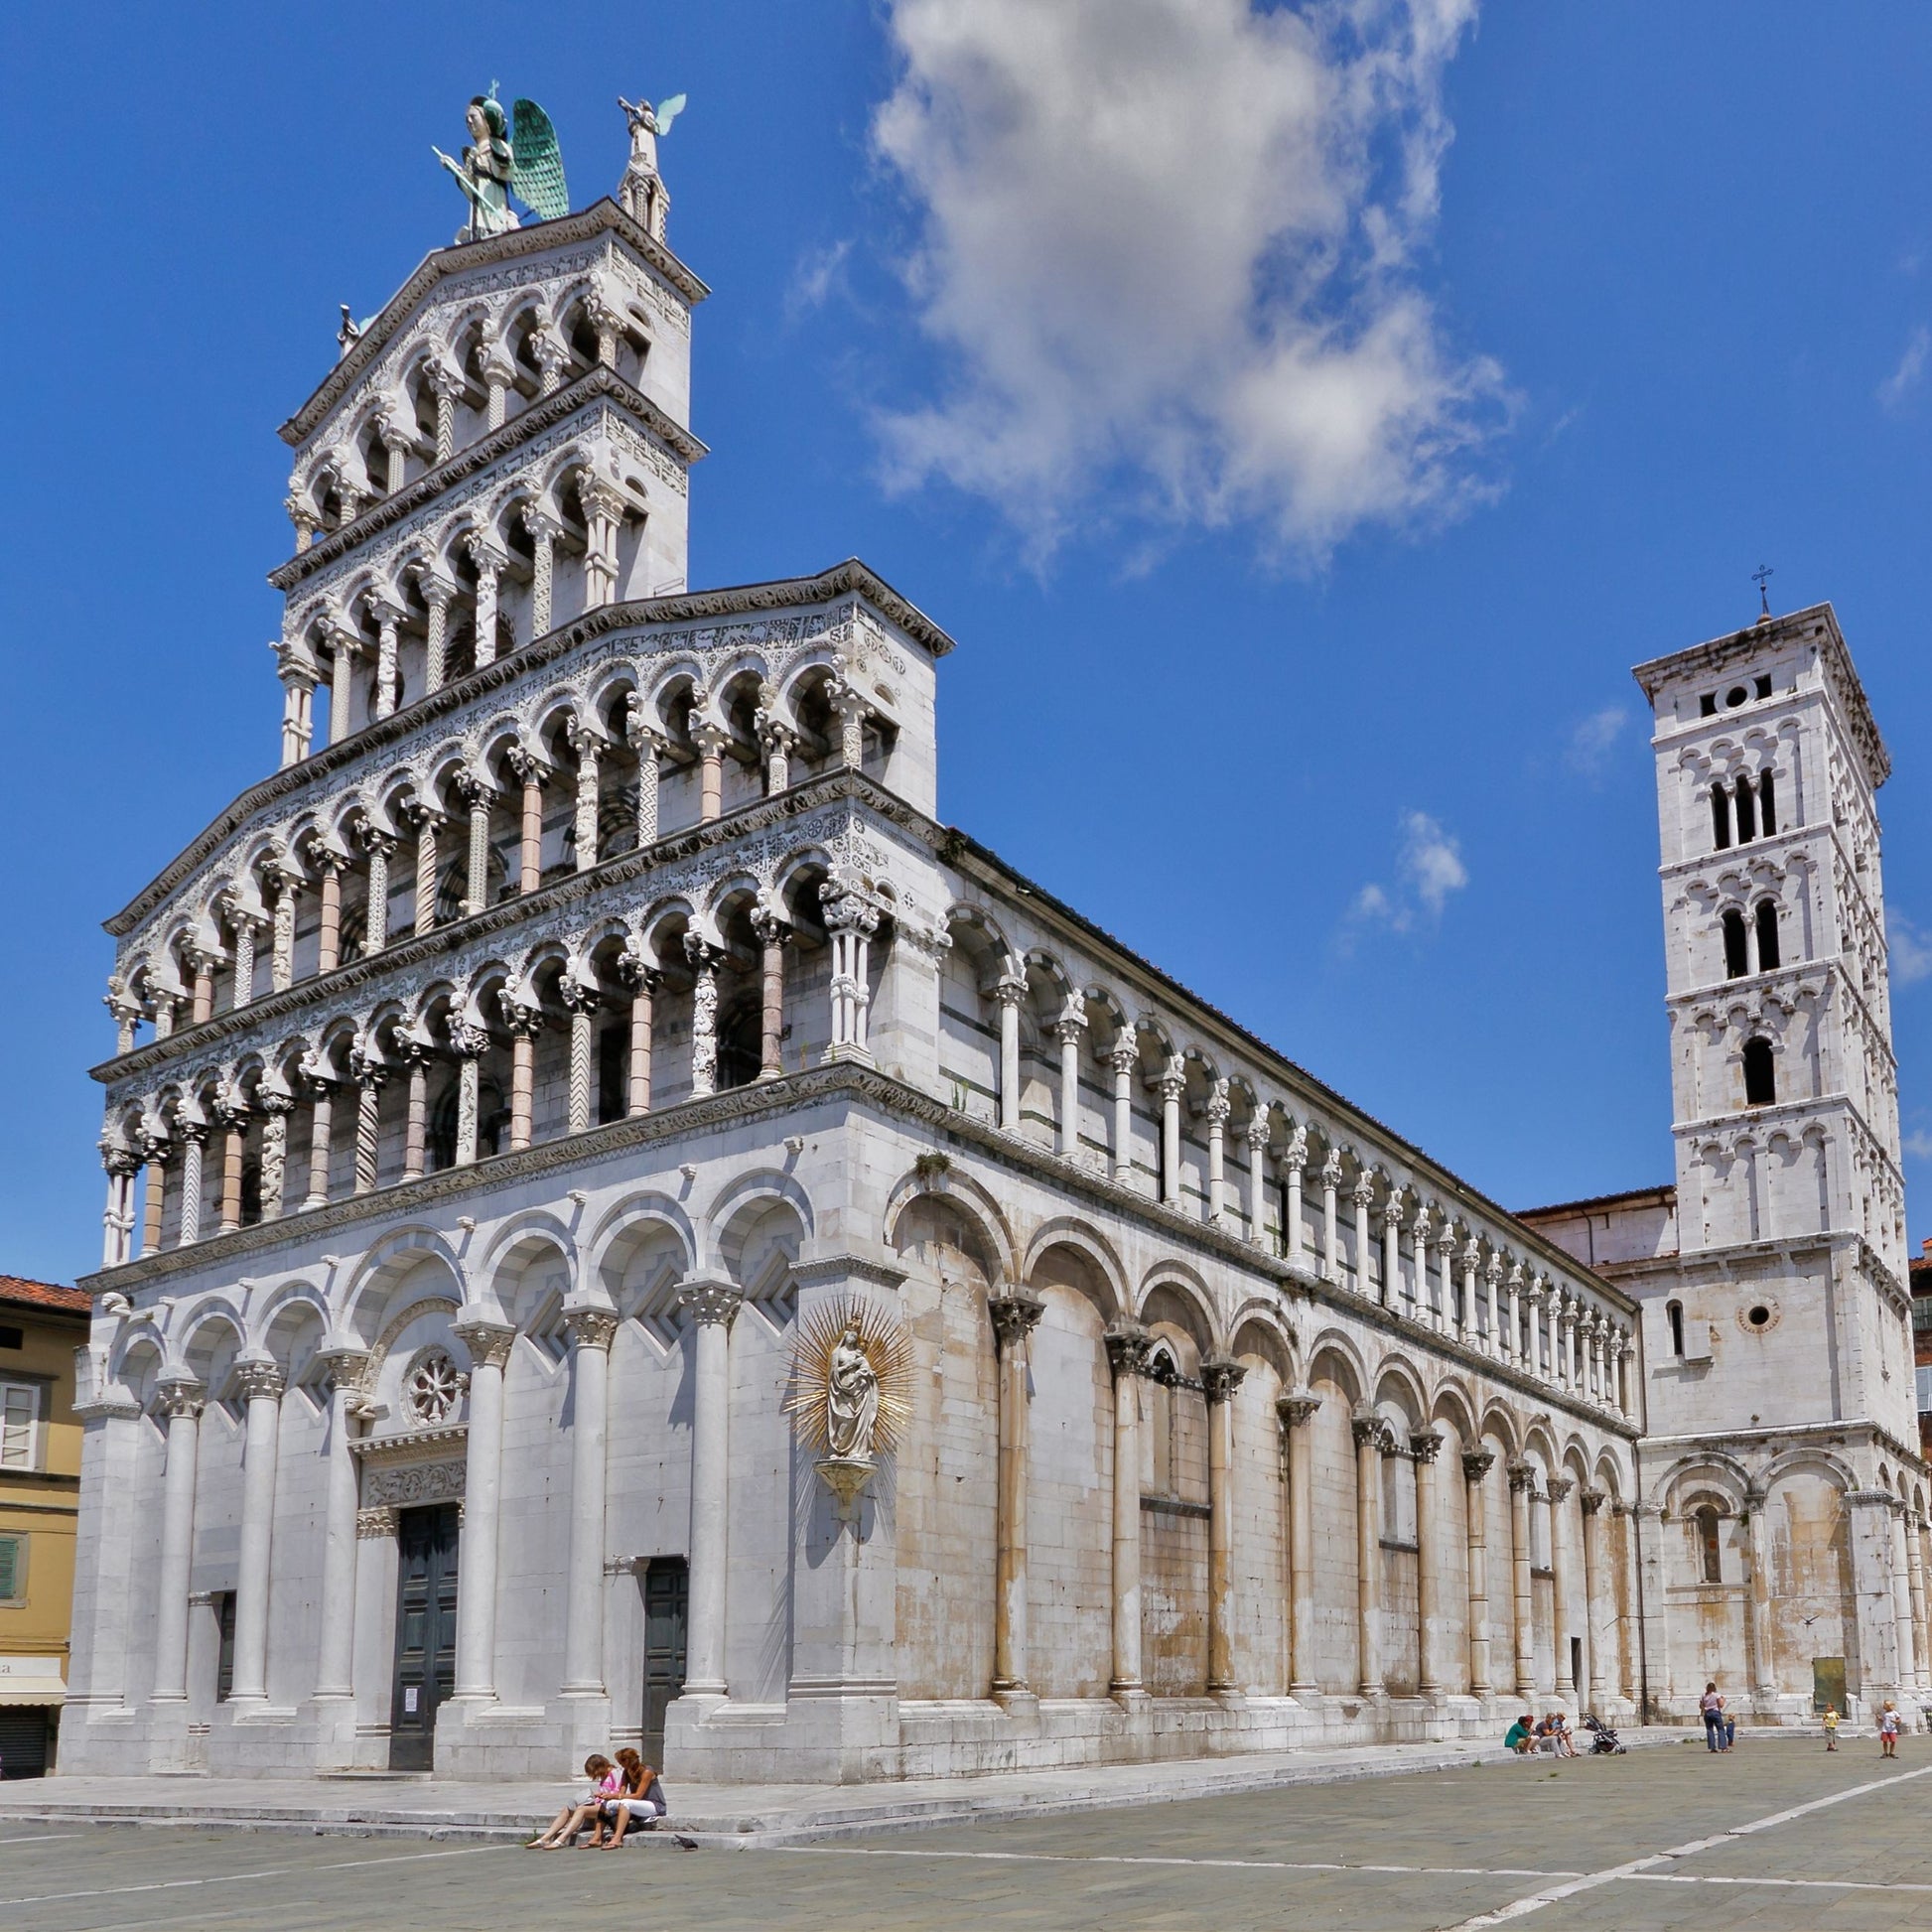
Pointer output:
x,y
854,1084
409,1445
546,412
1724,1261
850,578
601,216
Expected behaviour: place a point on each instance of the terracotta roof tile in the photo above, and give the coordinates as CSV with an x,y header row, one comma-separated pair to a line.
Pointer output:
x,y
16,1293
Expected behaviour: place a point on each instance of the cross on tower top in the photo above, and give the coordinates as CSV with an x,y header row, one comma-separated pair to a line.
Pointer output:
x,y
1763,576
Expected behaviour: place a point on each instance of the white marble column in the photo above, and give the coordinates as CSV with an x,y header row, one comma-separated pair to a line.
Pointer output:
x,y
334,1656
1363,1196
1013,1315
1069,1029
588,745
1369,1430
1902,1598
1392,1251
180,1402
711,1305
589,1332
1296,1409
1477,1465
1598,1607
1173,1083
1010,992
1220,1377
1425,1445
469,1042
1330,1223
651,746
488,1343
1127,1346
1295,1160
260,1385
580,1002
1258,1135
1124,1057
1560,1488
1522,1493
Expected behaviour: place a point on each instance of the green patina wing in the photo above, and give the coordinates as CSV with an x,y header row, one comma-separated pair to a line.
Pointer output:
x,y
666,111
536,166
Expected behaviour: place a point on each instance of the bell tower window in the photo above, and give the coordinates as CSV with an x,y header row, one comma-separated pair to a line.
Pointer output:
x,y
1767,935
1721,817
1747,812
1736,959
1760,1078
1710,1553
1767,806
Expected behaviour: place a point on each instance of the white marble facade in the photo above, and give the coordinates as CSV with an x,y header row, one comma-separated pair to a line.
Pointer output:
x,y
591,993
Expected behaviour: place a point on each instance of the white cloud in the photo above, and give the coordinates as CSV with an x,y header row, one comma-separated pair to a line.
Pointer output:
x,y
1592,743
1909,948
1428,868
1169,245
1919,1144
1911,371
815,277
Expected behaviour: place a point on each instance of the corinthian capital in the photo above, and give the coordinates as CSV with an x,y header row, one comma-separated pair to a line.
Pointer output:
x,y
1015,1315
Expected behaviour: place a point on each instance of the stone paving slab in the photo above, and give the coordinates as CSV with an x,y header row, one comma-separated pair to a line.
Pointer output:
x,y
763,1815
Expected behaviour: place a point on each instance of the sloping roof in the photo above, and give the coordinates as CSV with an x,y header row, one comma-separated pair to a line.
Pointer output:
x,y
47,1296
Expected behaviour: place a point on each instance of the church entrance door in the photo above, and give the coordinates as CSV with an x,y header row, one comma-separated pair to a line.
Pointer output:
x,y
426,1548
667,1605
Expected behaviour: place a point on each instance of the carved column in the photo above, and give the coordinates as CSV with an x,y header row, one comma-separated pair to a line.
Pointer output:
x,y
439,593
298,714
154,1157
474,791
1598,1611
369,1073
1560,1488
277,1104
523,1024
446,385
589,1332
117,1221
642,980
489,560
1477,1465
1465,1315
1363,1196
588,747
650,746
777,743
773,932
1127,1346
1512,1332
1124,1057
1427,1311
553,361
260,1386
469,1042
1010,991
532,775
711,1305
329,940
427,822
281,958
580,1002
704,1015
1425,1445
180,1402
1173,1083
389,618
382,849
1522,1489
851,923
1492,1275
1015,1315
244,924
1069,1029
415,1140
490,1345
604,507
499,377
711,739
341,668
193,1135
203,962
1392,1250
334,1655
1296,1409
544,533
1220,1377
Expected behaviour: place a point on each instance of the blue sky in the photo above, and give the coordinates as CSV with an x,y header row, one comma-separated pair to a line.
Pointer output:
x,y
1303,422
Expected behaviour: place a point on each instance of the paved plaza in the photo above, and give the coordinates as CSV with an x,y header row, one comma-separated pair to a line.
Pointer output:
x,y
1777,1837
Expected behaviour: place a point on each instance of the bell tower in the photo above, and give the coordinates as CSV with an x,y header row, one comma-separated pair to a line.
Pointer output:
x,y
1783,1081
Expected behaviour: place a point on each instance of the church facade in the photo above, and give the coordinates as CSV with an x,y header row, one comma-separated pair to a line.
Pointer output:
x,y
596,1008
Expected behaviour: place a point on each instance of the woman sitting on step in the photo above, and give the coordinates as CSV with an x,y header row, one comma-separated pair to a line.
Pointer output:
x,y
606,1783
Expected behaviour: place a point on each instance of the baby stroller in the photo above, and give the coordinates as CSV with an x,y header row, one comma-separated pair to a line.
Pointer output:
x,y
1602,1740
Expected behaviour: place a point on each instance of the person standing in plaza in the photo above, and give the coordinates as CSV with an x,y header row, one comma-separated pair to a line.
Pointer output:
x,y
1888,1729
1830,1727
1712,1707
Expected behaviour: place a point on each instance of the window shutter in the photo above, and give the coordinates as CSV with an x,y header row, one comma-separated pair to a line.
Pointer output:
x,y
19,1407
8,1567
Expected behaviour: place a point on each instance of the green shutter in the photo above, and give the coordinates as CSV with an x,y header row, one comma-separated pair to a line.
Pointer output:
x,y
12,1550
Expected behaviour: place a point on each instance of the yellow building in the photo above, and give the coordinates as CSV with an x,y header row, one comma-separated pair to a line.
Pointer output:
x,y
41,1326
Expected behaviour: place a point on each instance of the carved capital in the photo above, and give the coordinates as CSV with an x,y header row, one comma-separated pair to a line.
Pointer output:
x,y
771,925
589,1328
636,973
468,1040
1476,1463
259,1381
373,1524
577,997
1296,1407
529,769
1522,1476
710,1303
1559,1487
488,1342
1593,1501
1425,1445
179,1398
525,1021
1127,1345
1220,1376
1015,1315
347,1369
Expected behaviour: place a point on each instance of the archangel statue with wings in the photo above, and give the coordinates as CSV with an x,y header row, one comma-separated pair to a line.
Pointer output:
x,y
515,158
643,195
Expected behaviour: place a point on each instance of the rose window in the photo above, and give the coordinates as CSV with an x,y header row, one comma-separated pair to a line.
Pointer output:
x,y
431,1389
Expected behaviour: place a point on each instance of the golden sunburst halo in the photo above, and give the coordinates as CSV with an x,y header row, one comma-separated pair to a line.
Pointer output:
x,y
885,1344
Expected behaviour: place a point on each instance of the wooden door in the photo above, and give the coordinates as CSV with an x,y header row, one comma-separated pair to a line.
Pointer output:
x,y
667,1602
426,1585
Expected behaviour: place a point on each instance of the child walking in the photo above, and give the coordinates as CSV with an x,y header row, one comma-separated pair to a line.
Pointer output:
x,y
1889,1731
1830,1727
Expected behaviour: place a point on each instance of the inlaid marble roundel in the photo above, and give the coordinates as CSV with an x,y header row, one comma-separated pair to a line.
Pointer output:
x,y
432,1386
